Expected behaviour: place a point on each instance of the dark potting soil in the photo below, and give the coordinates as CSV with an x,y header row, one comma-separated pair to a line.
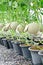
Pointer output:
x,y
9,57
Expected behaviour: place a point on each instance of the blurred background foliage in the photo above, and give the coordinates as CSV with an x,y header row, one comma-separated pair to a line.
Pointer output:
x,y
21,10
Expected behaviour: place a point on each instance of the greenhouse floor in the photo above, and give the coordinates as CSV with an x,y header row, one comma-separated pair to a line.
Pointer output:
x,y
9,57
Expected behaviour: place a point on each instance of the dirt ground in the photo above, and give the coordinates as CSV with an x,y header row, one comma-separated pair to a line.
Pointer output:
x,y
9,57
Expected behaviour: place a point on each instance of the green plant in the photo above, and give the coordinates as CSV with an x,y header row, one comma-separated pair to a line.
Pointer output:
x,y
19,10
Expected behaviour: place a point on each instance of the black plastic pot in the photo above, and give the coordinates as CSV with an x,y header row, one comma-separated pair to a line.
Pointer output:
x,y
16,47
1,40
5,43
26,52
36,60
9,43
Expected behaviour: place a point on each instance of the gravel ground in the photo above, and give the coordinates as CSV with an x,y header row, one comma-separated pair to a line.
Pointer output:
x,y
9,57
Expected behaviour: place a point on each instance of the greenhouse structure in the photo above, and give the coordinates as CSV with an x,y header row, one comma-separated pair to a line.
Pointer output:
x,y
21,32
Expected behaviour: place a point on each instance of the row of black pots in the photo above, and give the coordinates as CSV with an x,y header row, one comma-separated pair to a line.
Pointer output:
x,y
28,53
15,45
22,50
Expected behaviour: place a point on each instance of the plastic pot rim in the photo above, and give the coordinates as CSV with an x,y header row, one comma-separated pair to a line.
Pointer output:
x,y
40,53
24,46
4,39
15,42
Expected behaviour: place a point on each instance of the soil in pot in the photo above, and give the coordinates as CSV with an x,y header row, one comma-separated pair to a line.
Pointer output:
x,y
35,56
16,47
26,52
41,55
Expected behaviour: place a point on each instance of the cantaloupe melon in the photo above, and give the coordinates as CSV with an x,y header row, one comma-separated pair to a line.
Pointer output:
x,y
33,28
